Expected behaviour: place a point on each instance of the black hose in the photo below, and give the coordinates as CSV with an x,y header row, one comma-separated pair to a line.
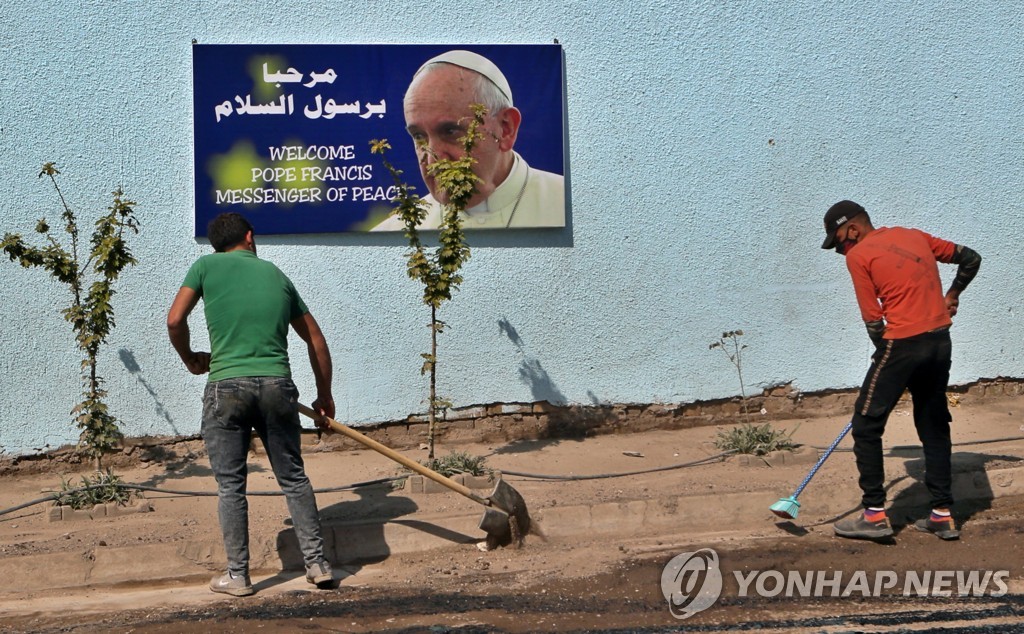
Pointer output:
x,y
965,443
600,476
347,487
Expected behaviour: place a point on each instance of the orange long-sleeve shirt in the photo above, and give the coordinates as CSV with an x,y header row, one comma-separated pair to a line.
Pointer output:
x,y
896,278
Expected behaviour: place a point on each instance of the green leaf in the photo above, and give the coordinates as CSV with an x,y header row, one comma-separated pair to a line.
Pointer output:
x,y
92,316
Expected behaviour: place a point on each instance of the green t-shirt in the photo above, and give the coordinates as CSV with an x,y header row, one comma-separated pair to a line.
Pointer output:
x,y
249,304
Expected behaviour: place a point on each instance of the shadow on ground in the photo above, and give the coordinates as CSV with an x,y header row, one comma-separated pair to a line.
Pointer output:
x,y
355,531
969,472
913,503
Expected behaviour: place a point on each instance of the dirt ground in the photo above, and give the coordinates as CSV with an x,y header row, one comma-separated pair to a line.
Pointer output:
x,y
596,568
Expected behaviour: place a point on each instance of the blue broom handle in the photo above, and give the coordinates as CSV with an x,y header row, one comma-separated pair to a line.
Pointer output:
x,y
822,459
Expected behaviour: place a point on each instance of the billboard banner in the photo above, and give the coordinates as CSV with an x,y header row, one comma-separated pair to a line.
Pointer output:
x,y
283,132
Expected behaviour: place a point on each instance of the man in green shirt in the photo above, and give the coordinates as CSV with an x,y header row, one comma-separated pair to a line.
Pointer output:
x,y
249,304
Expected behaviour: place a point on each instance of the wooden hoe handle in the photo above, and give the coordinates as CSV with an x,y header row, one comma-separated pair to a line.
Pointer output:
x,y
394,455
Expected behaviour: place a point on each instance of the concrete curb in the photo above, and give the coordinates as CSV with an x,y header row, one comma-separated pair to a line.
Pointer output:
x,y
800,455
415,484
349,542
727,511
110,509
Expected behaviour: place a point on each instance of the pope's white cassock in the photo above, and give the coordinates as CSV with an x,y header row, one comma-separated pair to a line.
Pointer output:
x,y
529,197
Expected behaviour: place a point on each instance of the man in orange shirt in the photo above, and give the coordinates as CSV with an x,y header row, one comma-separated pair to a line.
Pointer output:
x,y
896,279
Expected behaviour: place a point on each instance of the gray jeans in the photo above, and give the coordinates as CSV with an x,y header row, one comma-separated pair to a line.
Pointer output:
x,y
232,410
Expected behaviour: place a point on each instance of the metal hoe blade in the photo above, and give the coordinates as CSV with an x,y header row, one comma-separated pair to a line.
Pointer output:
x,y
506,520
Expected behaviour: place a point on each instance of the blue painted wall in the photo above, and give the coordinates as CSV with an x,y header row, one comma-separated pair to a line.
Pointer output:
x,y
706,140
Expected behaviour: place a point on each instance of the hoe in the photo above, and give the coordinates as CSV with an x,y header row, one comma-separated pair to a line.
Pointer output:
x,y
505,519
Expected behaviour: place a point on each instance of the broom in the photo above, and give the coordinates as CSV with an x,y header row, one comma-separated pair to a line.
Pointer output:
x,y
789,507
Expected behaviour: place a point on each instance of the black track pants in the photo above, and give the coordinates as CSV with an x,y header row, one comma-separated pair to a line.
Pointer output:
x,y
921,365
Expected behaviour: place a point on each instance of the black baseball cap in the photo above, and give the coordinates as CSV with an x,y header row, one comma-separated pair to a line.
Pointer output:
x,y
837,216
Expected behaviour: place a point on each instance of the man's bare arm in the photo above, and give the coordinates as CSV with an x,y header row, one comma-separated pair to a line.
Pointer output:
x,y
320,361
177,330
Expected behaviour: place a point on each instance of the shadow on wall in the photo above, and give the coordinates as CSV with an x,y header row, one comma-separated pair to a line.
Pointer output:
x,y
130,364
531,372
573,422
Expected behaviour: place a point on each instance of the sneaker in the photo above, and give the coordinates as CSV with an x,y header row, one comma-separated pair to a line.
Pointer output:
x,y
945,529
235,586
860,528
320,574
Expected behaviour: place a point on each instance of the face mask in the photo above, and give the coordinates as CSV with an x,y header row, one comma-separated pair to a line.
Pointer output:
x,y
842,248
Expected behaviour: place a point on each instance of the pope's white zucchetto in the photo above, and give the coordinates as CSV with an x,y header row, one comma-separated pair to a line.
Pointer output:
x,y
474,62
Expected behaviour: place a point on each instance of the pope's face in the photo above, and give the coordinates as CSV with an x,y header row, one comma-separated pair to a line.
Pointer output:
x,y
437,114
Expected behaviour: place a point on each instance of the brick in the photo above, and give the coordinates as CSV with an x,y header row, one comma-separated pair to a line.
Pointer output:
x,y
801,455
464,413
415,484
495,409
429,486
477,482
977,390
